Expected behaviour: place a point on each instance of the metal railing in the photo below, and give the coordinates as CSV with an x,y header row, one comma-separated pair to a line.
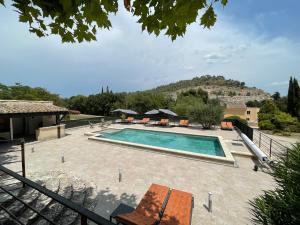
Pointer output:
x,y
270,146
82,122
84,213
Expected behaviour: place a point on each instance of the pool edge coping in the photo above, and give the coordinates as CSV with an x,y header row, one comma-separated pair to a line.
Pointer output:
x,y
228,158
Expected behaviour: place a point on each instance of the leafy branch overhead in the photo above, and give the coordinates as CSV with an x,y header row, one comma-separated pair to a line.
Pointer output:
x,y
79,20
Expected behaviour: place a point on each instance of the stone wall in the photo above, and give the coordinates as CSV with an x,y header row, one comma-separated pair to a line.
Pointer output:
x,y
52,132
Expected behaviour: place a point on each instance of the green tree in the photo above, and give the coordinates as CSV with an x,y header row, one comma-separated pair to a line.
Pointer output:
x,y
206,114
283,120
281,103
291,97
101,104
78,102
183,103
268,107
271,118
266,115
23,92
297,99
198,93
276,96
79,20
254,103
145,101
281,206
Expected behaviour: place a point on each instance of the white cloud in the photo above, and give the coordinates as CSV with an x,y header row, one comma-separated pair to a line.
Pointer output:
x,y
127,59
216,58
279,83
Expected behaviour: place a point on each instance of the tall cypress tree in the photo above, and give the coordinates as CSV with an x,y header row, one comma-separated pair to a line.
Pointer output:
x,y
297,98
291,97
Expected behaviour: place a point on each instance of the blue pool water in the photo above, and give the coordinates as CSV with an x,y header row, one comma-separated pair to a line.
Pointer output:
x,y
183,142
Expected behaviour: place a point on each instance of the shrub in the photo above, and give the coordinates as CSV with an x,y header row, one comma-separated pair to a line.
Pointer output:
x,y
268,107
283,120
233,118
281,206
183,104
295,128
265,116
266,125
207,115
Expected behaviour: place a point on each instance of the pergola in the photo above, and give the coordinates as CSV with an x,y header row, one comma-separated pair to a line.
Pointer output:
x,y
12,110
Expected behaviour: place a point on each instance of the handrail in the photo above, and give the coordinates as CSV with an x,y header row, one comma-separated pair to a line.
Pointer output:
x,y
266,136
87,214
27,205
265,142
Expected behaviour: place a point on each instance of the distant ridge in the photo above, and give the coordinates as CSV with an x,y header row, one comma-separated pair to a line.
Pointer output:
x,y
226,90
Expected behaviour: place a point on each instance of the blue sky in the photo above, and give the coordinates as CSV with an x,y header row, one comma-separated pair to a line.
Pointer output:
x,y
253,41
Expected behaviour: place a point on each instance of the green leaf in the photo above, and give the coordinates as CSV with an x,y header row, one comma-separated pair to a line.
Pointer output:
x,y
209,18
23,18
38,32
94,30
224,2
2,2
43,26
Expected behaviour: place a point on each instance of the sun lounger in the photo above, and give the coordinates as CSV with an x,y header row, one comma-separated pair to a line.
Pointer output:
x,y
178,209
163,122
149,210
129,120
223,125
91,124
144,121
226,125
229,125
183,123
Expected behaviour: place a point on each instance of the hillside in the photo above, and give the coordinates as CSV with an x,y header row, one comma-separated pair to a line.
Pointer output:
x,y
23,92
227,90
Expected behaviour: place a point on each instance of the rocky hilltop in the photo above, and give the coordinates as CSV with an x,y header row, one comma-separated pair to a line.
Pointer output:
x,y
227,90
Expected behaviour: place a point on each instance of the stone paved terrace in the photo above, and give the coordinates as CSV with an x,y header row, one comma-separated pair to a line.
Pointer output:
x,y
97,164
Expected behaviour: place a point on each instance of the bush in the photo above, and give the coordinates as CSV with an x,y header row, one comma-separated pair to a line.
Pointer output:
x,y
295,128
233,118
183,104
268,107
281,206
266,125
265,116
283,120
271,118
207,115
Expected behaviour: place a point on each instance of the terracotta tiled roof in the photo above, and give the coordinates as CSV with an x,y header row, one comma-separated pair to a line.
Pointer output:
x,y
15,107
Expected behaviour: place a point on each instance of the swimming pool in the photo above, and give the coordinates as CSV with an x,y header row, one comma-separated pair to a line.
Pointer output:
x,y
183,142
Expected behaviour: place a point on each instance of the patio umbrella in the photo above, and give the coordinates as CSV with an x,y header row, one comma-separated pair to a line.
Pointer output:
x,y
163,111
152,112
126,111
168,112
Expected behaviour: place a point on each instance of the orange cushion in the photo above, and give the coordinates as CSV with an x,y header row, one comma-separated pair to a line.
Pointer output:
x,y
147,211
152,201
164,121
179,208
135,218
229,124
183,122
